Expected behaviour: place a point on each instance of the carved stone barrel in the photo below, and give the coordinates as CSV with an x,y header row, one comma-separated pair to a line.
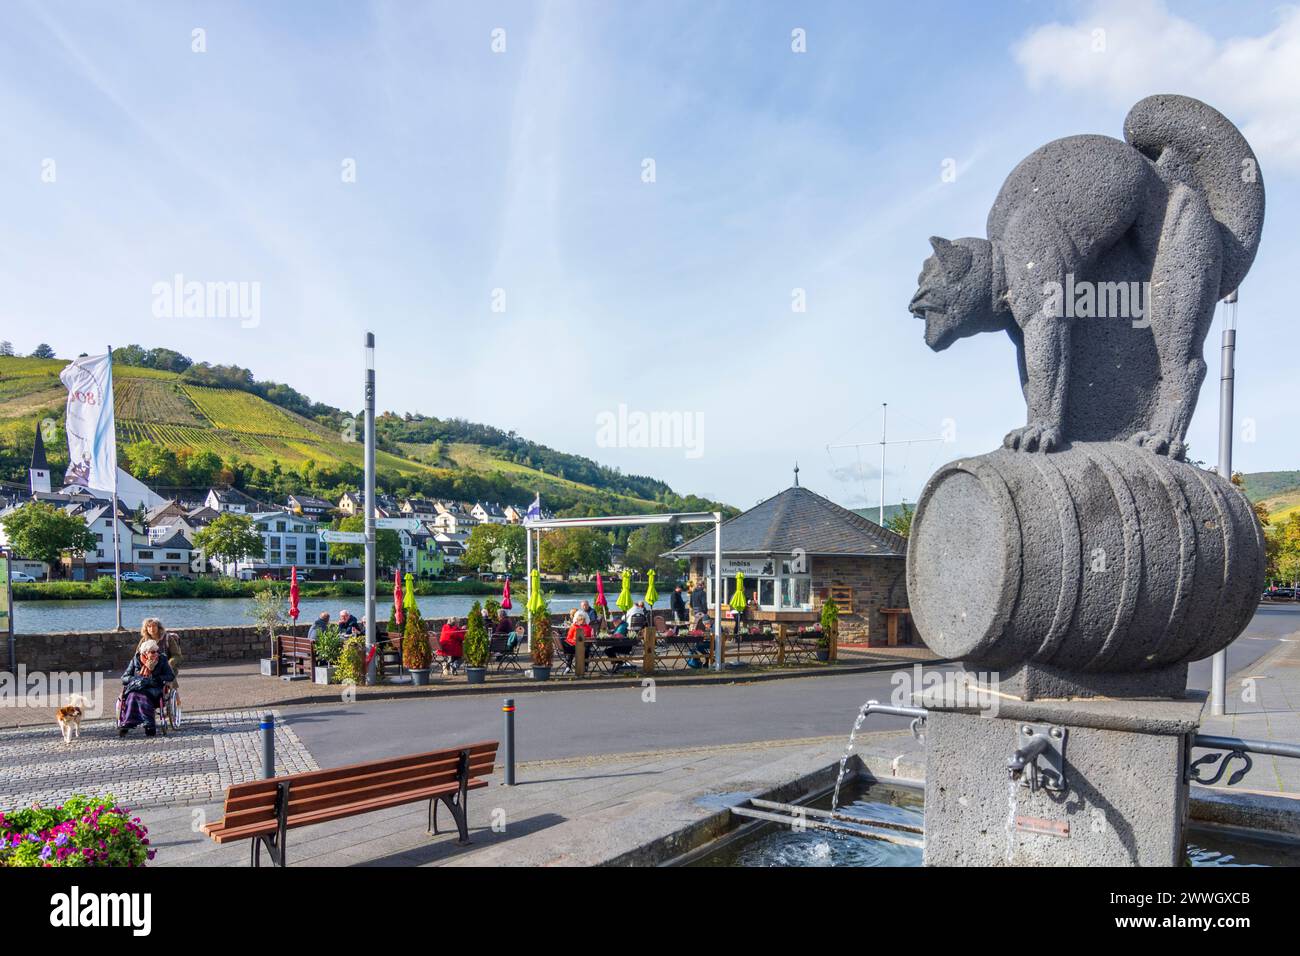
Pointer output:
x,y
1102,557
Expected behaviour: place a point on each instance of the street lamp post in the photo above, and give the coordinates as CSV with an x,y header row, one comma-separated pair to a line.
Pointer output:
x,y
1219,663
369,505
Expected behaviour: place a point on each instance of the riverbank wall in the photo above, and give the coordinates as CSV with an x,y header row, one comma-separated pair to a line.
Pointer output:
x,y
110,650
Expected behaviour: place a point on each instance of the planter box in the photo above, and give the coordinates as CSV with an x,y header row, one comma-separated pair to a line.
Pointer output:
x,y
537,672
419,676
476,675
323,675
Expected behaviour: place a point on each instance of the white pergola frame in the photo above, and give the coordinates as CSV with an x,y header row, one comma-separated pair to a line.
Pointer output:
x,y
685,517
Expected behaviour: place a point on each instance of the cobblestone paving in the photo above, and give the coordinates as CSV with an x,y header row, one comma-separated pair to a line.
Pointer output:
x,y
192,765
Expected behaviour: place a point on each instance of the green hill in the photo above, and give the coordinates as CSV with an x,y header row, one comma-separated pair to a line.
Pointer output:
x,y
185,430
1278,491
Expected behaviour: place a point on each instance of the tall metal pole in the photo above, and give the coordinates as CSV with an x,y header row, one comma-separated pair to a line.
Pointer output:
x,y
371,558
717,590
117,545
1219,663
884,415
528,552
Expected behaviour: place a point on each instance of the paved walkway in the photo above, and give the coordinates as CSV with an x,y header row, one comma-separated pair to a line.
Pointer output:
x,y
240,684
576,812
1263,702
210,752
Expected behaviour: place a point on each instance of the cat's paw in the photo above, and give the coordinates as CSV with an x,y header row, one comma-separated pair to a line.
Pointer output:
x,y
1160,443
1036,436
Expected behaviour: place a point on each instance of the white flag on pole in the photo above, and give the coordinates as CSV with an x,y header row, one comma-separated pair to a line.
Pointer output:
x,y
92,437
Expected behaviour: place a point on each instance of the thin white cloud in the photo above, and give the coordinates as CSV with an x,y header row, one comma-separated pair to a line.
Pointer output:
x,y
1128,49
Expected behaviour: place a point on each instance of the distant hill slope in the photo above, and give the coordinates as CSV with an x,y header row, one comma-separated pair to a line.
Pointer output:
x,y
286,451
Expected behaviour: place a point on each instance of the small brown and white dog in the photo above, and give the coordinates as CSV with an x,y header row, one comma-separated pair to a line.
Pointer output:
x,y
69,717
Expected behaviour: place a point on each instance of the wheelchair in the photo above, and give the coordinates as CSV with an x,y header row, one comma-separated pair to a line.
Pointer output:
x,y
166,717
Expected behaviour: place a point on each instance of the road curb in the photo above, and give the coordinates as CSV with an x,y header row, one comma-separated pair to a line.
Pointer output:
x,y
562,686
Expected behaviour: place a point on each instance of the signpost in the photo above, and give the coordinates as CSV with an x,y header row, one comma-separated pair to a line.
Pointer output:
x,y
343,537
398,524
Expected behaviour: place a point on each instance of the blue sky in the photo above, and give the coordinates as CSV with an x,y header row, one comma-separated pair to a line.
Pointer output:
x,y
522,171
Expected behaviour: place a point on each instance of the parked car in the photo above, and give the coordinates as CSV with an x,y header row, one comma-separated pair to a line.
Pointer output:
x,y
22,577
1280,594
135,577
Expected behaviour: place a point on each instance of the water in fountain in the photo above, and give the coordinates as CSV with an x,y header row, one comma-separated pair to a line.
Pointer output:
x,y
844,761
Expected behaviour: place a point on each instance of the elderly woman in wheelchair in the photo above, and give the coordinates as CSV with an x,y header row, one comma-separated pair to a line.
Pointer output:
x,y
147,687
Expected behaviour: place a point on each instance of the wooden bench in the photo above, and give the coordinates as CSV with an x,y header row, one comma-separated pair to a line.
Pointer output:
x,y
295,654
263,811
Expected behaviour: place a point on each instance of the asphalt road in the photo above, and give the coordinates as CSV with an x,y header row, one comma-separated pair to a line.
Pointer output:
x,y
551,725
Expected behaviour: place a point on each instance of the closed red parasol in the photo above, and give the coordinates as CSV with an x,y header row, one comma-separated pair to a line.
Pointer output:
x,y
505,596
293,595
397,597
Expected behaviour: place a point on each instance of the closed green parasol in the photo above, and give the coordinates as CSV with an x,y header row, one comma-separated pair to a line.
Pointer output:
x,y
534,592
737,601
625,595
651,595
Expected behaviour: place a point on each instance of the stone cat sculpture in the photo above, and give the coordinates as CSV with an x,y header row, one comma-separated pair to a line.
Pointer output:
x,y
1104,262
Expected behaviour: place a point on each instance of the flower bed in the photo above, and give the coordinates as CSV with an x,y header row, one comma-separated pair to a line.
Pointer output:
x,y
84,831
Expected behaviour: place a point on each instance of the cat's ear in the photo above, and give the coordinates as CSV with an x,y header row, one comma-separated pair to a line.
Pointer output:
x,y
953,259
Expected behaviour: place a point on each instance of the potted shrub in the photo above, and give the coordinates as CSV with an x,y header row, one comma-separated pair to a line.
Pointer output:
x,y
476,646
329,646
351,666
543,644
830,625
269,606
416,653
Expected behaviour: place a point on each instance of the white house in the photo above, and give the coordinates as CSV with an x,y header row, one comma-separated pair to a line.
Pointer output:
x,y
454,518
289,541
172,557
99,519
232,501
489,513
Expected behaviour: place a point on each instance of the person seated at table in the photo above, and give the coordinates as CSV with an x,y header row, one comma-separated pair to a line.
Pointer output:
x,y
143,682
592,617
319,626
703,629
502,626
451,643
517,636
348,625
579,628
637,616
621,646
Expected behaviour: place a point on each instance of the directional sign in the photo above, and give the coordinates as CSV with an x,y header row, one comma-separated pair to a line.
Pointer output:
x,y
344,537
398,524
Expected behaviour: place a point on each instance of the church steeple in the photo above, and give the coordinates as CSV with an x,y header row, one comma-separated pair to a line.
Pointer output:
x,y
40,470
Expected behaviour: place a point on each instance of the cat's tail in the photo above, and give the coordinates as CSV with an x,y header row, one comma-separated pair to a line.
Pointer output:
x,y
1196,144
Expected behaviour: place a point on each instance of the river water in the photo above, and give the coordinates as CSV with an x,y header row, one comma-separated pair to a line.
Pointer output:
x,y
53,617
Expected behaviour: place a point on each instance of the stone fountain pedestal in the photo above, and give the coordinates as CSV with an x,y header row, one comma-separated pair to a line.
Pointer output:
x,y
1126,793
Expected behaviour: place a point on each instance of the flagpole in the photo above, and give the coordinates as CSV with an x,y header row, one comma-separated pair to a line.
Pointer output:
x,y
117,545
